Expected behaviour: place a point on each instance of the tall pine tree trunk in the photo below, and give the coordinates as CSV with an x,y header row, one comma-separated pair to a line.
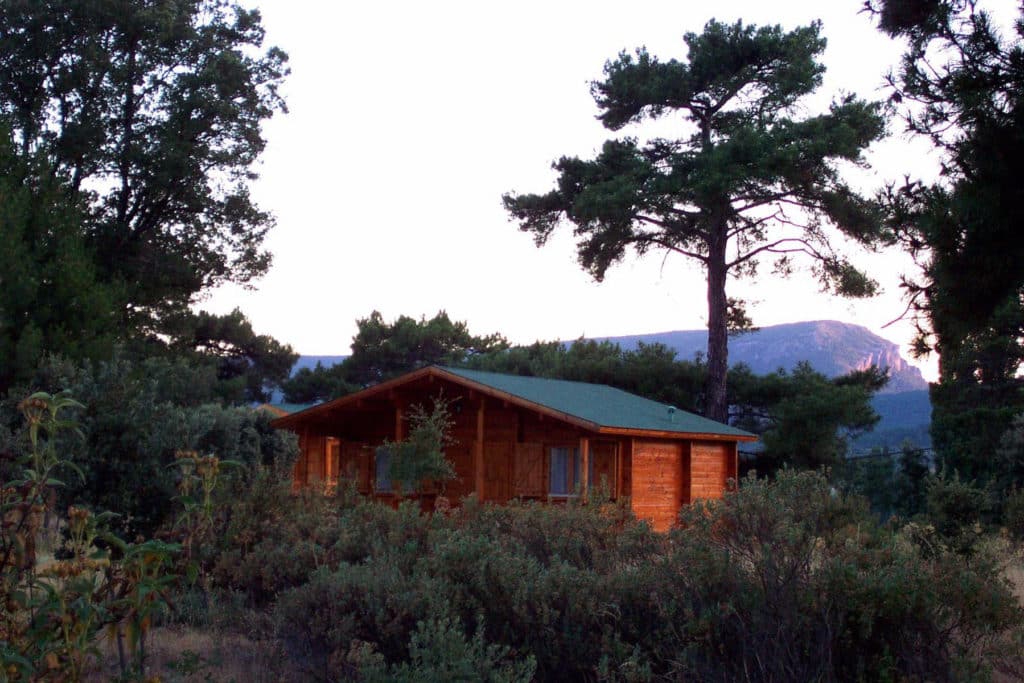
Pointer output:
x,y
716,403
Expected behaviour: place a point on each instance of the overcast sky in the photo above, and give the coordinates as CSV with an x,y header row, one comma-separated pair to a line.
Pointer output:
x,y
409,120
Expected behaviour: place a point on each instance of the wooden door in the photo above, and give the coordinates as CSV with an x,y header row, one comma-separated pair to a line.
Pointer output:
x,y
602,466
354,465
313,457
529,474
332,460
498,471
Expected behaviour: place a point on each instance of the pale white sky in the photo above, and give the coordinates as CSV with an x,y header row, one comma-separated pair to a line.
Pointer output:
x,y
409,120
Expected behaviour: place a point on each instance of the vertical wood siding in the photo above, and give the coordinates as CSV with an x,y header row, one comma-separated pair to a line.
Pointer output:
x,y
529,473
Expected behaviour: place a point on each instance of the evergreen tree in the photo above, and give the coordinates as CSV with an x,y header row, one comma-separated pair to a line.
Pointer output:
x,y
51,296
749,179
382,350
257,363
805,419
961,85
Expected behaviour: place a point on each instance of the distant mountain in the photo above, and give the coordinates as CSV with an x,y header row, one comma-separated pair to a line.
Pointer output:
x,y
906,416
831,347
311,361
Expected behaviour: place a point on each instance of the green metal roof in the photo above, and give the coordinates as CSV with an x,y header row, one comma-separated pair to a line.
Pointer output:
x,y
290,408
599,404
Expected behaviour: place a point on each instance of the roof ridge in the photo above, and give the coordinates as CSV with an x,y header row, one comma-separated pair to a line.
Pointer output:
x,y
604,387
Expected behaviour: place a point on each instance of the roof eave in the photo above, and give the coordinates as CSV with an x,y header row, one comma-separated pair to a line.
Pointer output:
x,y
666,434
369,392
435,371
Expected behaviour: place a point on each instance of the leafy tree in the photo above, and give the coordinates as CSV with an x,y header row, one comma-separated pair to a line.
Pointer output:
x,y
382,350
150,113
961,86
419,458
911,480
749,179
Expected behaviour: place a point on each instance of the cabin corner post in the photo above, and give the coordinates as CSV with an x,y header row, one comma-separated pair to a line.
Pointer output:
x,y
584,467
478,453
399,417
736,464
619,455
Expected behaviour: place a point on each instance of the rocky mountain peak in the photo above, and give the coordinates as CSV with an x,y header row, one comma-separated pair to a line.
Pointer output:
x,y
830,346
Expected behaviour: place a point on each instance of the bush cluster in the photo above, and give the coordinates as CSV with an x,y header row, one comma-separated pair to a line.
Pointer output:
x,y
136,416
781,580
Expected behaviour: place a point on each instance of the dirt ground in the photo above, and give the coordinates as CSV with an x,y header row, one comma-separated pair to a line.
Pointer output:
x,y
190,655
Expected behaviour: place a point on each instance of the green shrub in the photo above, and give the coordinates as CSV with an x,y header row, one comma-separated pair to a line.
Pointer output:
x,y
791,581
1013,514
957,509
320,621
780,580
137,415
440,651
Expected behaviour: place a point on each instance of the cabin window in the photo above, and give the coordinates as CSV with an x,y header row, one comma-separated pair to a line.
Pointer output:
x,y
382,480
565,471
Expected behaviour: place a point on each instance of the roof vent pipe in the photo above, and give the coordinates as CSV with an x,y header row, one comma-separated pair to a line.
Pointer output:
x,y
671,414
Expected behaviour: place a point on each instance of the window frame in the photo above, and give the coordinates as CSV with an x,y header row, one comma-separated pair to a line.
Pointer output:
x,y
381,482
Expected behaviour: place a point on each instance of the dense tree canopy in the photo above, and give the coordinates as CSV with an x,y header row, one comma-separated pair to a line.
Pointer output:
x,y
749,178
804,418
961,85
652,370
149,115
128,135
382,350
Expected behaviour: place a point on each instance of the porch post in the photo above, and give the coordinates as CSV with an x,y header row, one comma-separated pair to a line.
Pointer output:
x,y
478,453
584,467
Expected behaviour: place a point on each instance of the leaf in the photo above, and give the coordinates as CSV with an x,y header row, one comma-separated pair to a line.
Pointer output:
x,y
233,463
75,468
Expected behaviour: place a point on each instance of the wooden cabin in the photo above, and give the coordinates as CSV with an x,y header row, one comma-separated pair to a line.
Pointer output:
x,y
525,437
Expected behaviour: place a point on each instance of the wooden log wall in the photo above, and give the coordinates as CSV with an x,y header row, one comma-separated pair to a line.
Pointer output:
x,y
711,465
657,469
